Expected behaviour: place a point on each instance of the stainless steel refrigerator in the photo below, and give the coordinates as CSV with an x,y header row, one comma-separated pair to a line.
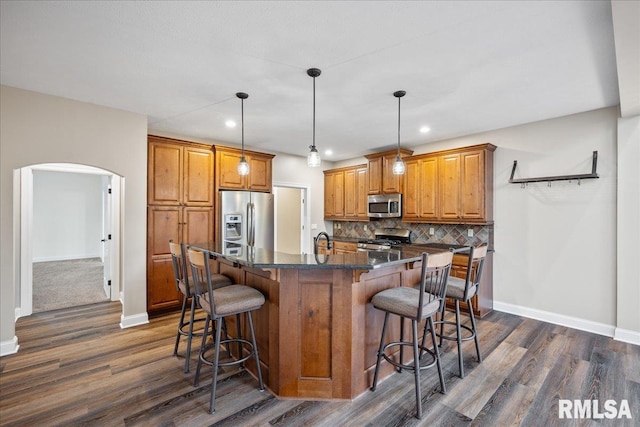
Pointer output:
x,y
246,219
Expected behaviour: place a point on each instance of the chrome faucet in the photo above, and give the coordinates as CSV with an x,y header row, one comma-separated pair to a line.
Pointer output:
x,y
317,239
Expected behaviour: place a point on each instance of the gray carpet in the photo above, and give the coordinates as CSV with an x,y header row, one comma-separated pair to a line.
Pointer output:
x,y
61,284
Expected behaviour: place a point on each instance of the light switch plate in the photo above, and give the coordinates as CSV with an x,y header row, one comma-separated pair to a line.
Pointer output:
x,y
470,232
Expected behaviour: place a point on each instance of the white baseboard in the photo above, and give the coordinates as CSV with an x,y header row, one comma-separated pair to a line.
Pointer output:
x,y
626,335
9,347
135,320
65,258
556,319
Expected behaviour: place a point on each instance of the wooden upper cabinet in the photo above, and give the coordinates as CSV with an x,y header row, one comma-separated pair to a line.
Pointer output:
x,y
382,180
334,194
227,177
198,173
345,193
420,197
449,178
179,173
164,183
472,185
453,186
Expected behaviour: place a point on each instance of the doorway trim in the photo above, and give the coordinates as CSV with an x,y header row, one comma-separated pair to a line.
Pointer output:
x,y
305,213
25,307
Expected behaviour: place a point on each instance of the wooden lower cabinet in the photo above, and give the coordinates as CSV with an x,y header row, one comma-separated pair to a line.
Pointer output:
x,y
482,303
164,223
344,247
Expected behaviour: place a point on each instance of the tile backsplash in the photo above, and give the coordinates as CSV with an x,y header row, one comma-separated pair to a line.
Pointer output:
x,y
443,233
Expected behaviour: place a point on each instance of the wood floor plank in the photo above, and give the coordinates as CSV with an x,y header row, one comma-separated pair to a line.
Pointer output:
x,y
77,367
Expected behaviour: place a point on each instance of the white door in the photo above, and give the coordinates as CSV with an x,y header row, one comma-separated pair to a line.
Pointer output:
x,y
107,233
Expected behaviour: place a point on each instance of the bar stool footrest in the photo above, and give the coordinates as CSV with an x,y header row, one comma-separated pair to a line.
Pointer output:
x,y
208,360
453,337
399,365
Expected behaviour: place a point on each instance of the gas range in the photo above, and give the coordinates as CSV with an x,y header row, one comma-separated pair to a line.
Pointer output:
x,y
385,239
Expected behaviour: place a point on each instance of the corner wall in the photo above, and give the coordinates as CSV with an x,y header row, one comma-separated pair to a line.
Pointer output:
x,y
37,128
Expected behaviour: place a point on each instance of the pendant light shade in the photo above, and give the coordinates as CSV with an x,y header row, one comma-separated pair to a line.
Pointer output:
x,y
243,166
398,165
313,159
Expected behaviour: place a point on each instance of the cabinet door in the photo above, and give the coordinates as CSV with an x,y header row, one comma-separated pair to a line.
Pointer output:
x,y
259,173
227,170
198,177
391,183
350,193
329,188
344,248
449,173
428,196
375,176
338,195
361,193
163,224
164,170
198,225
472,203
412,185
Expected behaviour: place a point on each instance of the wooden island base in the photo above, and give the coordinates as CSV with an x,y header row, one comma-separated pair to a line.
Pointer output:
x,y
318,333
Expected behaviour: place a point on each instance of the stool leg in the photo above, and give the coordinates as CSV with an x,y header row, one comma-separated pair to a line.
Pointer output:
x,y
444,306
255,350
443,387
459,339
180,324
416,367
190,336
380,351
216,359
401,339
239,332
196,379
475,331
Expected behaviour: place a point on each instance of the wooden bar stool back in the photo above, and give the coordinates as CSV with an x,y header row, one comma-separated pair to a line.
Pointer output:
x,y
219,303
188,291
462,290
416,304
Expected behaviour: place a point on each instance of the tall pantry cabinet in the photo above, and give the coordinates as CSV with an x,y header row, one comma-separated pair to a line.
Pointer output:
x,y
180,203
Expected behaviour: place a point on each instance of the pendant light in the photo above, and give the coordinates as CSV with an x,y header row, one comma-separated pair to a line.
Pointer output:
x,y
398,165
313,159
243,166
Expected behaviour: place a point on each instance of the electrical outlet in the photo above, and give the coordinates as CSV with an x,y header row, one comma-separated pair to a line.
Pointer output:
x,y
339,226
314,226
366,227
432,231
470,232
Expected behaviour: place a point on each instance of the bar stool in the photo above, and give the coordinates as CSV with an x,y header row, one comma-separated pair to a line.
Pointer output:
x,y
184,285
219,303
463,290
416,304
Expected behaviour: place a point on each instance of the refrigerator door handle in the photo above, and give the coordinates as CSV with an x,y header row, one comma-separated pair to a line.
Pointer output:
x,y
251,217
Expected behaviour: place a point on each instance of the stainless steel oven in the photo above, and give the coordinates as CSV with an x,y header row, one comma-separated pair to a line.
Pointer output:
x,y
384,206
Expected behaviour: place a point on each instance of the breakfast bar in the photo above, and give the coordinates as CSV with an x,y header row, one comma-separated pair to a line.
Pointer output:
x,y
317,333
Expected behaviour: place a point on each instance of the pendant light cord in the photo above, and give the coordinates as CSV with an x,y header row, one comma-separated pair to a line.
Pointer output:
x,y
398,126
314,113
242,120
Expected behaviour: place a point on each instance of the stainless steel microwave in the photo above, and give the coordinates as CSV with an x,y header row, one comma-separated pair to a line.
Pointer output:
x,y
384,206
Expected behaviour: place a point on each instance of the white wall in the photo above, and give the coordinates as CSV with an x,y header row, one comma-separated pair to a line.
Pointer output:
x,y
628,272
37,128
67,216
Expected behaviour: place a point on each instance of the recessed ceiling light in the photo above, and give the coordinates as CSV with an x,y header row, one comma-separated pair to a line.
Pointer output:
x,y
425,129
230,124
328,152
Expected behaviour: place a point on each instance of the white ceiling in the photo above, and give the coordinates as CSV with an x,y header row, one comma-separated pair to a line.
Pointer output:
x,y
467,67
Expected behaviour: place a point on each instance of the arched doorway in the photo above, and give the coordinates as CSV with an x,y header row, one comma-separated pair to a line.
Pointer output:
x,y
111,213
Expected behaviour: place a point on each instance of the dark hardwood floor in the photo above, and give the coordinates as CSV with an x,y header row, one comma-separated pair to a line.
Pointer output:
x,y
77,367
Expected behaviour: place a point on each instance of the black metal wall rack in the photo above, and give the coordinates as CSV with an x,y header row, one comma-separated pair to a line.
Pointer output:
x,y
549,179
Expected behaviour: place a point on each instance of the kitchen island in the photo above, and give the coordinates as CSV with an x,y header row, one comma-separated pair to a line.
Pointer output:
x,y
317,332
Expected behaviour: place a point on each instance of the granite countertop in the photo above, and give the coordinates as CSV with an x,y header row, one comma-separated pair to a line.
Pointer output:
x,y
264,258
